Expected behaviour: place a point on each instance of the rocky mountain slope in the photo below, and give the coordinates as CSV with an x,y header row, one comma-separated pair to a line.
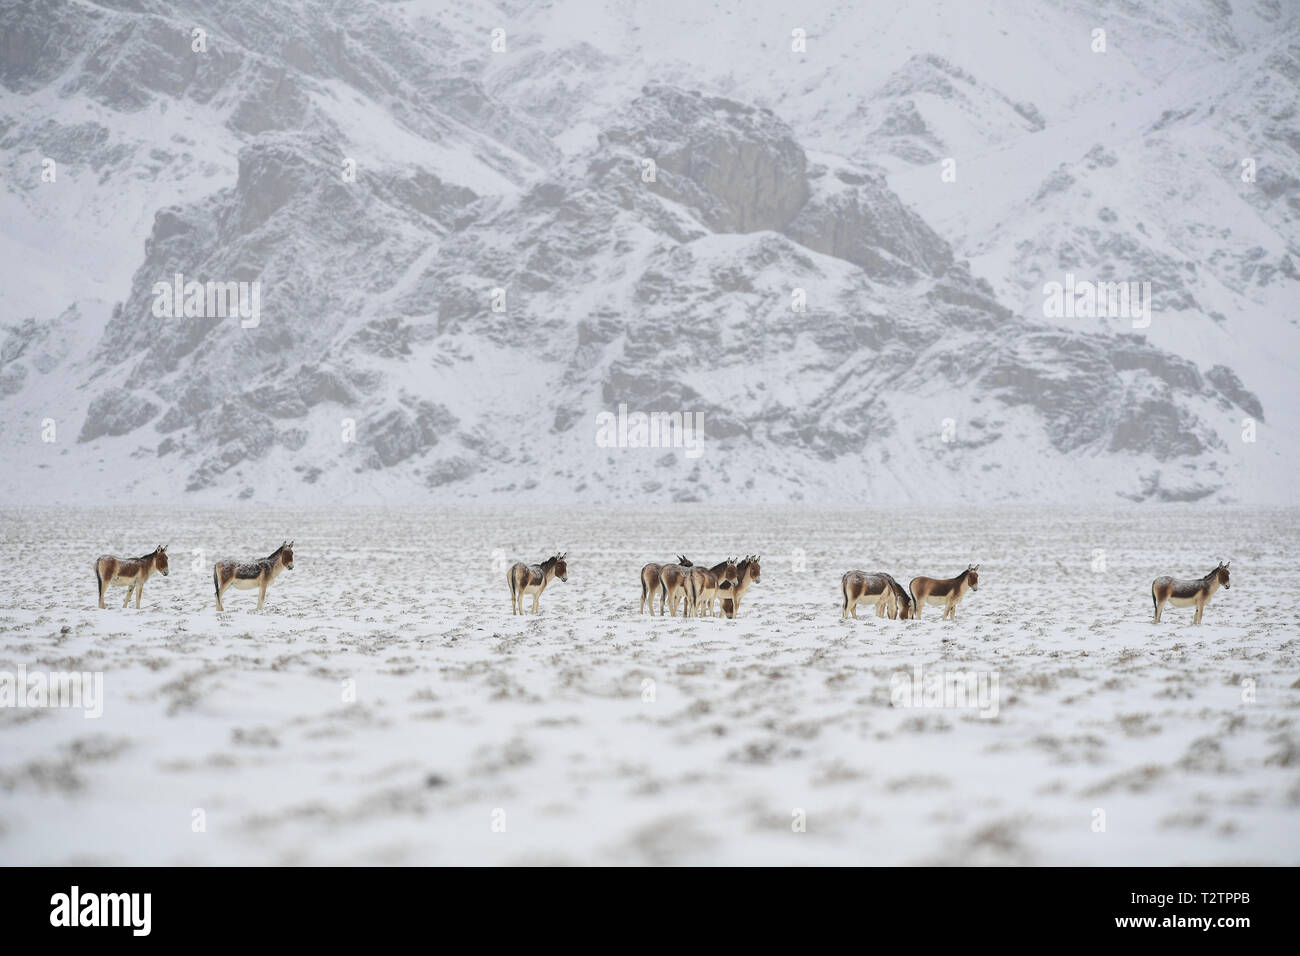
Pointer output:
x,y
463,262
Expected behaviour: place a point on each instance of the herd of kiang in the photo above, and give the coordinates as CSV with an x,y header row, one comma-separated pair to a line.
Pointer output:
x,y
699,591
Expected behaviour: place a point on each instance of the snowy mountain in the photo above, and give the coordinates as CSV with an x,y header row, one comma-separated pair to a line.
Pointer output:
x,y
475,238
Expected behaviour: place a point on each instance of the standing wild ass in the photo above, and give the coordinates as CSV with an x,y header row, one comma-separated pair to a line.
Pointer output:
x,y
532,579
947,592
132,572
749,571
1188,593
673,587
246,575
702,585
651,583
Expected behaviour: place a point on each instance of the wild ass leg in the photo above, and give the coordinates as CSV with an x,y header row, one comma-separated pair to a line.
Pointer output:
x,y
261,592
139,589
129,588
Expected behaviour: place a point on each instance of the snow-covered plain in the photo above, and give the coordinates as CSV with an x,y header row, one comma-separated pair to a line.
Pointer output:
x,y
466,717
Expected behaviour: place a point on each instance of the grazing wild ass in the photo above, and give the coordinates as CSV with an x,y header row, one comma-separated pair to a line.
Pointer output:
x,y
1188,593
947,592
729,595
702,585
532,579
246,575
132,572
651,583
890,598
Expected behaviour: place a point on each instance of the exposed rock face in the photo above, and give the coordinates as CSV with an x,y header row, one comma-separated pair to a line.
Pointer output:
x,y
116,412
461,266
737,167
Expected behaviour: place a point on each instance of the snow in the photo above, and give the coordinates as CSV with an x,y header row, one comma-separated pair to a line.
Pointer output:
x,y
462,710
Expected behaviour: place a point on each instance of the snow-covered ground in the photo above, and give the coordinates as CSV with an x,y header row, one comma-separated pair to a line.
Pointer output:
x,y
592,734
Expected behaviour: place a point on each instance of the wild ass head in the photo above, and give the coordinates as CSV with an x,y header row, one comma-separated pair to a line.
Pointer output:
x,y
160,558
730,571
906,609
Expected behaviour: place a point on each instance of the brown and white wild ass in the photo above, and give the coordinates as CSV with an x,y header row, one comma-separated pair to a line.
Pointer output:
x,y
702,586
651,583
532,579
727,596
945,591
1188,593
749,571
246,575
673,587
132,572
890,598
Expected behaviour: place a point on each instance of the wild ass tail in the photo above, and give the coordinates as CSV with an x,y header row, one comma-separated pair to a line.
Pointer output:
x,y
844,590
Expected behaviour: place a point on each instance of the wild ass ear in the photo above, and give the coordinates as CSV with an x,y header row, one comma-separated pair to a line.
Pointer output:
x,y
165,547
